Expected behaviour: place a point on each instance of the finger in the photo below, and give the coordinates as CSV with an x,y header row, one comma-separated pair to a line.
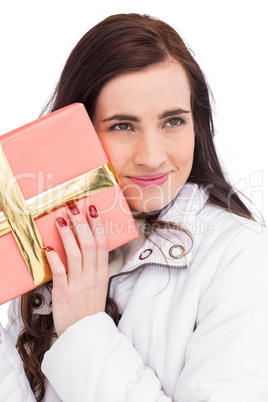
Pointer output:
x,y
85,237
99,235
72,251
57,268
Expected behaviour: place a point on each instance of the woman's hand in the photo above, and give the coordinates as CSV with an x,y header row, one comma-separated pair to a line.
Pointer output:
x,y
82,292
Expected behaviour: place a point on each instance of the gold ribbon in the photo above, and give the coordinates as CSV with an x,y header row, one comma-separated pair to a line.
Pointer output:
x,y
18,214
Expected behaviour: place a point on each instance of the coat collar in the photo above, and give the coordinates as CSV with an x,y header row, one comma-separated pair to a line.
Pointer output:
x,y
167,246
188,203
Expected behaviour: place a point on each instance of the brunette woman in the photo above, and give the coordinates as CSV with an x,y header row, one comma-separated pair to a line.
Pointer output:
x,y
183,316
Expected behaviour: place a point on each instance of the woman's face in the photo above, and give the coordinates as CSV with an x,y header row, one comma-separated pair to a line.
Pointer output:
x,y
145,124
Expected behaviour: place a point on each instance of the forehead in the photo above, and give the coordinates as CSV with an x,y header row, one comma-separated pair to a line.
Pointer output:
x,y
160,86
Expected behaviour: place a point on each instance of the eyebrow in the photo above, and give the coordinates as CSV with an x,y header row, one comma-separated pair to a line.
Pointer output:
x,y
168,113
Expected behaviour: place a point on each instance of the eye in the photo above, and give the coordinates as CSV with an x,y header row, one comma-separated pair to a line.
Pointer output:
x,y
176,121
121,127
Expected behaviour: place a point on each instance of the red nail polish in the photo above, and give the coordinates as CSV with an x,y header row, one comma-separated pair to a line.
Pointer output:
x,y
61,222
73,209
93,211
48,248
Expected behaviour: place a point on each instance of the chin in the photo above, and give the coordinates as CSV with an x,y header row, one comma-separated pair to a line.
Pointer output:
x,y
147,208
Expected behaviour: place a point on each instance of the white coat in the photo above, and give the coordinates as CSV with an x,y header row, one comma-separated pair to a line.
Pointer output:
x,y
193,329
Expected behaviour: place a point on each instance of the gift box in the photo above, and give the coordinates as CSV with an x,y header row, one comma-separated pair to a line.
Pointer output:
x,y
45,165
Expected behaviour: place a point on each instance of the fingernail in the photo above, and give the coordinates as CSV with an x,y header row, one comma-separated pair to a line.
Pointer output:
x,y
48,248
93,211
73,209
61,222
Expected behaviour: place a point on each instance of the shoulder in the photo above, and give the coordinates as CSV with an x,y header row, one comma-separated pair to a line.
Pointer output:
x,y
210,224
231,229
234,259
232,241
230,262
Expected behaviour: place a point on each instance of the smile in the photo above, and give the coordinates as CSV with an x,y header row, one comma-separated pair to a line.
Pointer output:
x,y
150,180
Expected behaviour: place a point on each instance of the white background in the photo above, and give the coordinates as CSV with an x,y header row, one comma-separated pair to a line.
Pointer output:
x,y
229,39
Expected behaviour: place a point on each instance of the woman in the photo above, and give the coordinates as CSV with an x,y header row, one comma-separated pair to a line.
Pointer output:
x,y
184,314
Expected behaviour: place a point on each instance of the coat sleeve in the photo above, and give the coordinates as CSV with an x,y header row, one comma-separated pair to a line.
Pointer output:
x,y
93,361
226,357
14,385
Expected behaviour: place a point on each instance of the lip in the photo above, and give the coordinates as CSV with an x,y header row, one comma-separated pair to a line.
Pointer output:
x,y
149,180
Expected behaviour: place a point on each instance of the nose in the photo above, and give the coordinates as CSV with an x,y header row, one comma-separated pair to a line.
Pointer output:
x,y
150,150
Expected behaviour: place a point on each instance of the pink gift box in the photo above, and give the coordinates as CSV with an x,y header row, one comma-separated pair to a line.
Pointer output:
x,y
44,155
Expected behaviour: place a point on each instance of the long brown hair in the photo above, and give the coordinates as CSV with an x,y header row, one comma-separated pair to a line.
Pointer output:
x,y
122,44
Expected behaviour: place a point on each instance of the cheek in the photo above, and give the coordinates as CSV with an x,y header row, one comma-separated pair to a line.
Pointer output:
x,y
183,152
